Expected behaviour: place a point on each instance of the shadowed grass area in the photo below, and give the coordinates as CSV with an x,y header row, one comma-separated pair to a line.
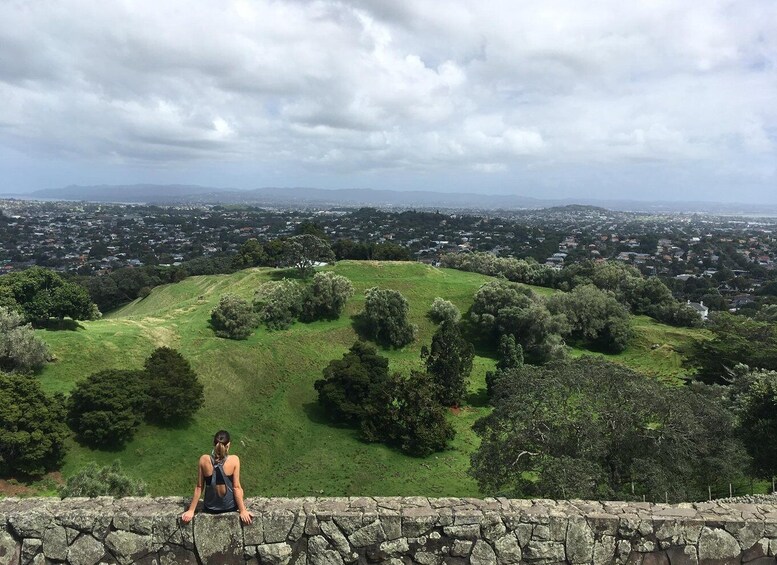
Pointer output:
x,y
261,389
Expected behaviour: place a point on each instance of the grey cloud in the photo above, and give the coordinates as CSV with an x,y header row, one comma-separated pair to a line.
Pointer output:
x,y
493,88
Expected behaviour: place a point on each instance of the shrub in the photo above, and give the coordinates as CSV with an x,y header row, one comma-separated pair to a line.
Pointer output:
x,y
444,311
279,303
325,298
233,318
111,480
32,427
386,317
106,409
20,350
174,390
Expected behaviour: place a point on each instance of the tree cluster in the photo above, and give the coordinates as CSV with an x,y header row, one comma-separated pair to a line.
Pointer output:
x,y
526,271
540,326
592,429
39,294
278,304
107,408
642,296
737,340
403,412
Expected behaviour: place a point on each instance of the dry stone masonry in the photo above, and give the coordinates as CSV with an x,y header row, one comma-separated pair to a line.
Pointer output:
x,y
388,531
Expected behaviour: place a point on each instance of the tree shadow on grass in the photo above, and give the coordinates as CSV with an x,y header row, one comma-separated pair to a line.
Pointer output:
x,y
478,399
289,273
360,326
55,325
483,347
316,414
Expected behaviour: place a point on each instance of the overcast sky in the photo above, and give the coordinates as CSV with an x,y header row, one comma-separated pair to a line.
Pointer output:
x,y
639,99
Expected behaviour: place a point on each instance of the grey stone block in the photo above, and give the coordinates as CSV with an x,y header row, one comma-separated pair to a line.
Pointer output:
x,y
470,531
718,546
368,535
579,541
55,543
219,538
461,548
335,537
507,549
274,553
482,554
277,525
544,552
10,549
85,551
128,547
320,554
31,547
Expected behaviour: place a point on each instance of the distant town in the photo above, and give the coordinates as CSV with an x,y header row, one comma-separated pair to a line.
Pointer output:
x,y
723,262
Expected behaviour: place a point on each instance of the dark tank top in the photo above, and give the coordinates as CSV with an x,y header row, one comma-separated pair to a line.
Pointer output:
x,y
214,502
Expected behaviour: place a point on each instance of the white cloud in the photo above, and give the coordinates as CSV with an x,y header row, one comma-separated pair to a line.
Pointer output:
x,y
347,87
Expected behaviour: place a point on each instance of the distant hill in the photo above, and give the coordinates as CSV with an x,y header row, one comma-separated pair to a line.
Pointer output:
x,y
135,193
354,197
273,196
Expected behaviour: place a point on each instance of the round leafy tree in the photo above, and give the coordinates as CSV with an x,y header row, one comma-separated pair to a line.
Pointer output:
x,y
32,427
279,303
233,318
444,311
385,316
106,409
326,297
356,388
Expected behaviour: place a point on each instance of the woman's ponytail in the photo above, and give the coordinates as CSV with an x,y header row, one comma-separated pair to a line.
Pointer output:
x,y
220,443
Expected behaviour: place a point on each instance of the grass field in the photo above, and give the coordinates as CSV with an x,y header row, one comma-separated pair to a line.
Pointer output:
x,y
261,389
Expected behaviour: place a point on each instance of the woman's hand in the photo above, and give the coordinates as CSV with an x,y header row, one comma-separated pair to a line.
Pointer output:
x,y
187,516
246,516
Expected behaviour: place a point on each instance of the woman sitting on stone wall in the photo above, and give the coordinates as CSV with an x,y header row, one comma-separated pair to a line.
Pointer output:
x,y
219,473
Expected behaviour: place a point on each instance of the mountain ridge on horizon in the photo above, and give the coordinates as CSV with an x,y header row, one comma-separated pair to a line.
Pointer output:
x,y
177,194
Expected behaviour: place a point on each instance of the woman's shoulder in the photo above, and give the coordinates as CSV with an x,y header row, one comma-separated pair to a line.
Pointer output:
x,y
205,458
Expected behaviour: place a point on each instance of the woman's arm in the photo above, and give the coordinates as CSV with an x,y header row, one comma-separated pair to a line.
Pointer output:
x,y
245,515
187,516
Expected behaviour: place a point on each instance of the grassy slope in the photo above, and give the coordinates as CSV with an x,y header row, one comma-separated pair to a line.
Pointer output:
x,y
262,391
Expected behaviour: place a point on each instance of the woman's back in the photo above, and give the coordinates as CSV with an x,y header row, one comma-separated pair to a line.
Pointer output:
x,y
219,489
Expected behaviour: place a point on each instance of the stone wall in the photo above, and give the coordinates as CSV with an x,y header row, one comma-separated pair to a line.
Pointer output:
x,y
390,531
